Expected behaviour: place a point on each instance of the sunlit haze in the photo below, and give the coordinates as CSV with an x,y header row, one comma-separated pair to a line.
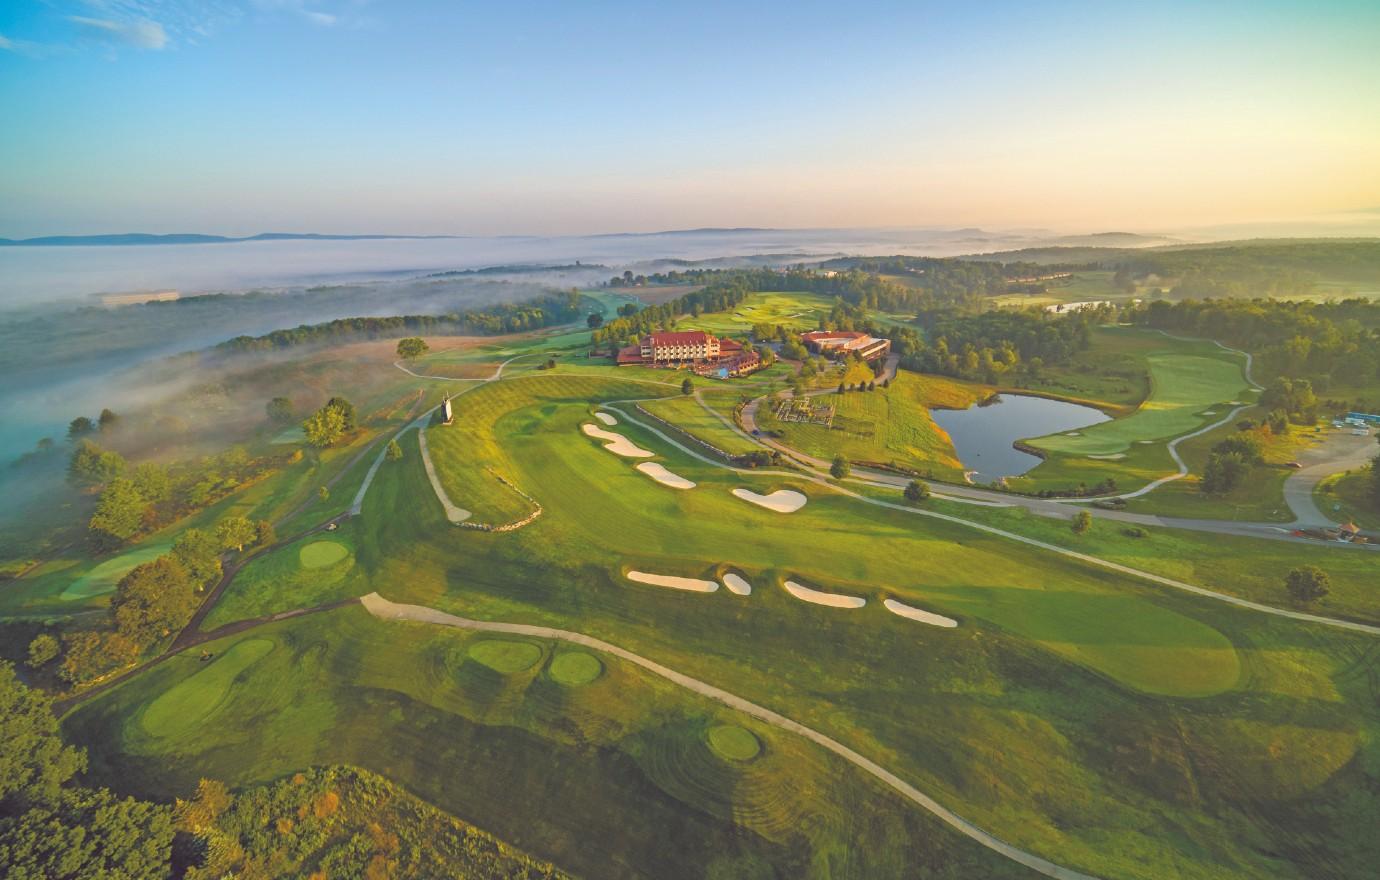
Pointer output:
x,y
437,117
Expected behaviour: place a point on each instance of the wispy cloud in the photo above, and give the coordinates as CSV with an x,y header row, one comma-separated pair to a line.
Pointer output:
x,y
325,19
139,33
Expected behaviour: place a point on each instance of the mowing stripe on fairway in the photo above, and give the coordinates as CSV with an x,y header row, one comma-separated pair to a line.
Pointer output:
x,y
1033,542
386,610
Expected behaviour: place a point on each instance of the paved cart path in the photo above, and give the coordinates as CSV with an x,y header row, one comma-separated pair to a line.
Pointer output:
x,y
384,609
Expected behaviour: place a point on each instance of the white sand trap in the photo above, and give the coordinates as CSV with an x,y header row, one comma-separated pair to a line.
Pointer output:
x,y
618,444
737,585
931,618
1114,456
1073,434
665,477
781,501
1208,412
833,600
606,418
694,585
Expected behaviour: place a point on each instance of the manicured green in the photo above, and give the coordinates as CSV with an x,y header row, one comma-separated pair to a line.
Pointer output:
x,y
796,311
506,657
733,743
186,706
319,554
105,576
1183,387
574,668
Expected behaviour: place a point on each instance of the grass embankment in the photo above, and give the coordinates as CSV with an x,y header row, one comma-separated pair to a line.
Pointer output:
x,y
890,426
614,778
1347,498
1259,497
690,416
471,454
1119,728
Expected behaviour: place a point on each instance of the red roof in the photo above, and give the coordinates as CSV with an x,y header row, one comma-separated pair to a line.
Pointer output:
x,y
630,355
727,346
686,337
817,335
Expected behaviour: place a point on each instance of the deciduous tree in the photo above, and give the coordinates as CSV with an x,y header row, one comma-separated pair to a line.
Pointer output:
x,y
93,466
199,553
1307,584
43,650
324,427
1081,523
840,468
119,513
235,531
280,410
412,347
917,491
153,600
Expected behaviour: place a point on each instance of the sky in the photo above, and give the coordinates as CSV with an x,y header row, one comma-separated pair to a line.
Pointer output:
x,y
451,117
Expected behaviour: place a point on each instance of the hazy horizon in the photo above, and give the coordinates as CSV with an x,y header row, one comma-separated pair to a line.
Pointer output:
x,y
342,116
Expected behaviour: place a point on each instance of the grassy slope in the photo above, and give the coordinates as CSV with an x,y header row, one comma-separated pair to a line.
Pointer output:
x,y
890,426
994,717
1347,495
691,417
613,778
797,311
1183,387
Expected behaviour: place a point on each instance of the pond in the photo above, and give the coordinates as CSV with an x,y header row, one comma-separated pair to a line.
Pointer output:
x,y
983,434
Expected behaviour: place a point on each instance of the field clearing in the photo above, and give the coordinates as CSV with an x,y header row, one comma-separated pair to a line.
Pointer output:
x,y
1183,388
795,311
104,577
1346,497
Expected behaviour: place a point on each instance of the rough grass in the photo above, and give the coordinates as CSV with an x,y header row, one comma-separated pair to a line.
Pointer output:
x,y
690,416
890,426
611,780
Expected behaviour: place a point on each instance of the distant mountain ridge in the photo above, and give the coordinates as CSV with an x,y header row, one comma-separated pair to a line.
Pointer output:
x,y
135,238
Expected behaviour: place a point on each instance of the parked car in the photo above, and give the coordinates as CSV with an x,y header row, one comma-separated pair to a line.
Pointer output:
x,y
1293,464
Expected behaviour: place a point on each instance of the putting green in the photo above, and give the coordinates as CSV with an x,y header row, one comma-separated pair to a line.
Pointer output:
x,y
574,668
104,577
733,743
319,554
178,711
506,657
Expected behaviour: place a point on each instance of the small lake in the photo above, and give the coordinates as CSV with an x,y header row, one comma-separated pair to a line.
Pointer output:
x,y
983,434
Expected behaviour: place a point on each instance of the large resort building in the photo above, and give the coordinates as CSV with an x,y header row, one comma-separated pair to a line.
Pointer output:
x,y
696,350
841,343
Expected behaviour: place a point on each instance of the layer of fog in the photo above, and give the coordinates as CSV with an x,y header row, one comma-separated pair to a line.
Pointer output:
x,y
30,275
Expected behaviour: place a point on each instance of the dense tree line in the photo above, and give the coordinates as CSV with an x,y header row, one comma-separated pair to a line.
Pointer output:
x,y
325,822
491,321
1321,342
989,346
717,297
1252,270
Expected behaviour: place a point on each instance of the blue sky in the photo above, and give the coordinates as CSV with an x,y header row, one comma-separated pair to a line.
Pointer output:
x,y
353,116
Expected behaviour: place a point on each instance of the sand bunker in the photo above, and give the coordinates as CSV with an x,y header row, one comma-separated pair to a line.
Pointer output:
x,y
1208,412
694,585
606,418
737,585
781,501
1114,456
618,444
833,600
665,477
932,619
